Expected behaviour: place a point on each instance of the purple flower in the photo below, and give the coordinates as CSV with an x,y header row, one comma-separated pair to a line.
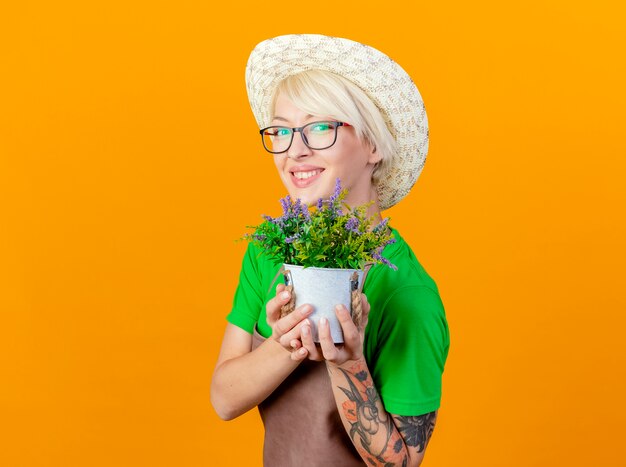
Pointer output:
x,y
279,221
353,225
297,207
286,204
382,225
337,191
305,212
384,260
291,239
320,203
259,237
333,205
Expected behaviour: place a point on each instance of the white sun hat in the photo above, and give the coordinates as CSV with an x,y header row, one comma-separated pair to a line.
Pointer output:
x,y
386,83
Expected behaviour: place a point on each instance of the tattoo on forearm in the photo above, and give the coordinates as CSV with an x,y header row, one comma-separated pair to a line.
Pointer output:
x,y
371,428
416,431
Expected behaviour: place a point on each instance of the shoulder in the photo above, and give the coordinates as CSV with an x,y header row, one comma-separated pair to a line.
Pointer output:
x,y
409,267
405,300
409,279
413,304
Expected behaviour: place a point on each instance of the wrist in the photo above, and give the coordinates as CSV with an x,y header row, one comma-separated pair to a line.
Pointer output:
x,y
352,365
278,350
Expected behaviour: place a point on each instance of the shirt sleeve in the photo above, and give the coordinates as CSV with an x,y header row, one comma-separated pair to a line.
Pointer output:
x,y
248,299
413,347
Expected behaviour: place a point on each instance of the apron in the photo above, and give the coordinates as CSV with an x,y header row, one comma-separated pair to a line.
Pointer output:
x,y
302,424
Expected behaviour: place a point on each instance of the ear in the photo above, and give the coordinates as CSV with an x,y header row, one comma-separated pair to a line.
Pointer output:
x,y
374,156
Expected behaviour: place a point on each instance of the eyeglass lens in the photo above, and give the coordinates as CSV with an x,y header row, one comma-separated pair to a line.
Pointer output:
x,y
316,135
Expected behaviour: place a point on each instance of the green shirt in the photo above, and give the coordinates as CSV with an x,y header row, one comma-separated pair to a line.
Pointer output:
x,y
406,340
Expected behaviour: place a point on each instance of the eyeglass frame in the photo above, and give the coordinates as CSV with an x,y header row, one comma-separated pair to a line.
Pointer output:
x,y
299,129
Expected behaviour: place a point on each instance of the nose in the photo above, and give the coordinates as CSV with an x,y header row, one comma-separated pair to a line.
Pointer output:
x,y
298,149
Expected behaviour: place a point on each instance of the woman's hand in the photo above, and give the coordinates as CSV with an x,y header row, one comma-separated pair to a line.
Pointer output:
x,y
286,330
337,354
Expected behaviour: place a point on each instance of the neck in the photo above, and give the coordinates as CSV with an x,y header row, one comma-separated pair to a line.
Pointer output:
x,y
373,211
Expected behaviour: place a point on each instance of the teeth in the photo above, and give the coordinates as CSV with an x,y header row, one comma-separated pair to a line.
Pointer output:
x,y
305,175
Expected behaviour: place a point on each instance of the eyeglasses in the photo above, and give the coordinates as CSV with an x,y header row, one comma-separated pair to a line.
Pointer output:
x,y
316,135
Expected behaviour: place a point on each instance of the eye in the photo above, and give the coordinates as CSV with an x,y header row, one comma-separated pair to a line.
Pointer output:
x,y
278,132
322,127
282,131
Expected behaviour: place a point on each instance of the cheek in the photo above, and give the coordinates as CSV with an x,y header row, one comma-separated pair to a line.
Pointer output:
x,y
351,163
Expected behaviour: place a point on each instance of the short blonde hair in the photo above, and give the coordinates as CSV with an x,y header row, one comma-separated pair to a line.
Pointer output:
x,y
321,92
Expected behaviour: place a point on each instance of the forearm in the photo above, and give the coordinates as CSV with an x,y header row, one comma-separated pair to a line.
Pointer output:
x,y
243,382
370,426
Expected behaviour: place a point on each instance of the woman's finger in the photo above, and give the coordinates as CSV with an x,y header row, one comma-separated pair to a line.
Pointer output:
x,y
294,334
299,355
309,345
351,335
295,344
326,341
286,324
272,309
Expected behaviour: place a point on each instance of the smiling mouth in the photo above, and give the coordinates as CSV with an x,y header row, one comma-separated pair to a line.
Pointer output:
x,y
308,174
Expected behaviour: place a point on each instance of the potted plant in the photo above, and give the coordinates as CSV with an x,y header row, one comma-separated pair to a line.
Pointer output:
x,y
325,254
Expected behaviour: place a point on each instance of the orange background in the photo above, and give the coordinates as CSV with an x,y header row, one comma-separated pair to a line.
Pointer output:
x,y
130,162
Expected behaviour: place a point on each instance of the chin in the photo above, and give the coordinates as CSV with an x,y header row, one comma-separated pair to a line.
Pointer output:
x,y
311,194
306,197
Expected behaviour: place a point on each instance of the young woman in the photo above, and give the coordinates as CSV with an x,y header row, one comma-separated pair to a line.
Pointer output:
x,y
373,399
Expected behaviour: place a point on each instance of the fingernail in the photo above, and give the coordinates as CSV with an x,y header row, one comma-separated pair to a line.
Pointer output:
x,y
305,330
323,321
302,351
306,309
284,295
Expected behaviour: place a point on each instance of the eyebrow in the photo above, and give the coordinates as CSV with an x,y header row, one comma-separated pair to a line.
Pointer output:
x,y
307,116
